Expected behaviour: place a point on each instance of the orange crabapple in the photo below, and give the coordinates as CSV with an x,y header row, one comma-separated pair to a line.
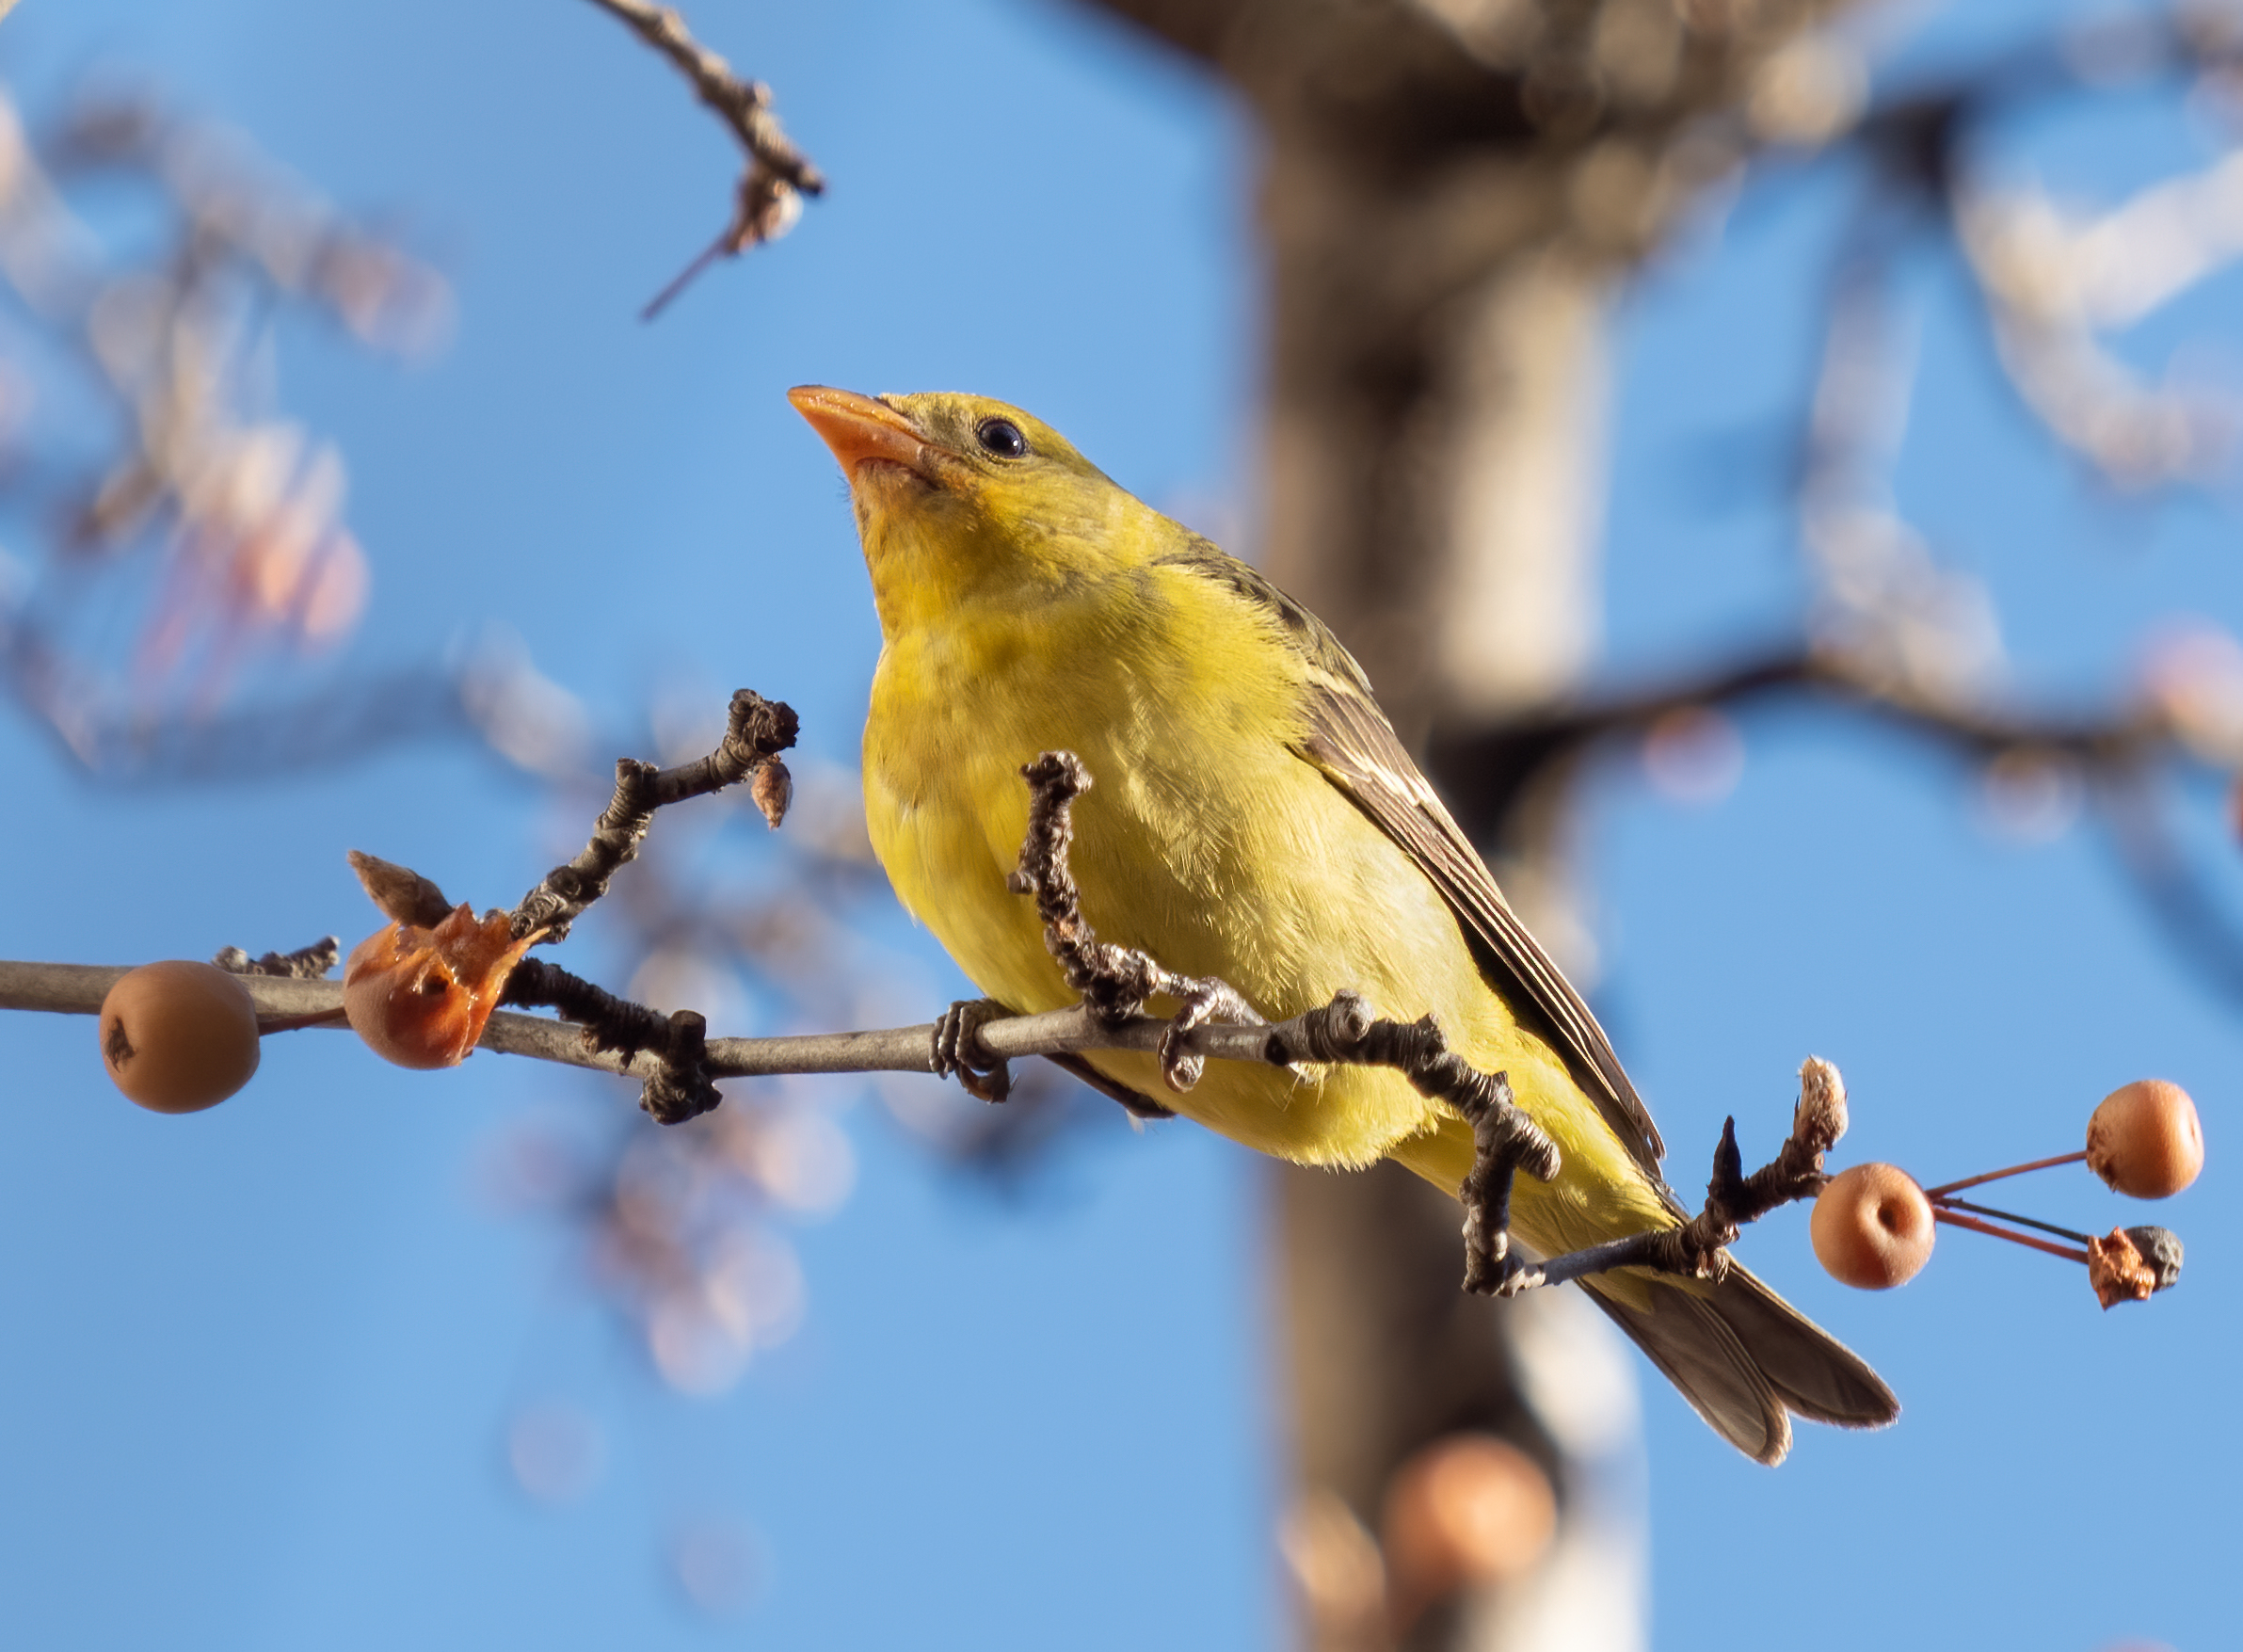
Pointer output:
x,y
1872,1226
179,1035
2145,1139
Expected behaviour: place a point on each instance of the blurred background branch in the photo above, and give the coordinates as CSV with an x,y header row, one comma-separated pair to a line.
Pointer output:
x,y
178,536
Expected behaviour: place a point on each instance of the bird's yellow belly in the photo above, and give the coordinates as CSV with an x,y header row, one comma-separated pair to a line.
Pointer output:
x,y
1273,881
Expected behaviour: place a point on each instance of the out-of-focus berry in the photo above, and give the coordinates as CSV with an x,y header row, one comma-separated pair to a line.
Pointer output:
x,y
180,1036
1469,1509
420,997
1693,755
1872,1226
2145,1139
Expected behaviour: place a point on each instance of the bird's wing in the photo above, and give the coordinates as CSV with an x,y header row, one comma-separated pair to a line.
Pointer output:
x,y
1349,739
1742,1355
1358,752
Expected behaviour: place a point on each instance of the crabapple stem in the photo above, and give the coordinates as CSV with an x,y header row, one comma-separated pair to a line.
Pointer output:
x,y
1953,1204
1933,1192
1956,1219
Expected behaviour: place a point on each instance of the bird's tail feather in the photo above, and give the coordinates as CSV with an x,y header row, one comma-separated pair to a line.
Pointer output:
x,y
1744,1357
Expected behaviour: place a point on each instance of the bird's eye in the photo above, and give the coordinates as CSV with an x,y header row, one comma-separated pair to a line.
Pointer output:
x,y
1003,438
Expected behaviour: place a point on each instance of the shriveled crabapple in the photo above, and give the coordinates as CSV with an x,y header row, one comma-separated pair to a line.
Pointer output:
x,y
179,1035
2117,1270
1872,1226
420,997
2145,1139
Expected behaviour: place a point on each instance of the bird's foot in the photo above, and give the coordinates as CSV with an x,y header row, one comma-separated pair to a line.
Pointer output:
x,y
1516,1276
957,1039
1505,1141
1202,1001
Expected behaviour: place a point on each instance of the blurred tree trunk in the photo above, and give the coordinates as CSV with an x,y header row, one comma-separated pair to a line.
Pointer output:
x,y
1450,190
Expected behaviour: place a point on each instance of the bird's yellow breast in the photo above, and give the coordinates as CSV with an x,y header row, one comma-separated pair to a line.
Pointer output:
x,y
1209,842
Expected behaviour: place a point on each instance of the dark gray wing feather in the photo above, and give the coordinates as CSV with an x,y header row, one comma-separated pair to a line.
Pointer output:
x,y
1742,1355
1359,752
1685,1337
1811,1371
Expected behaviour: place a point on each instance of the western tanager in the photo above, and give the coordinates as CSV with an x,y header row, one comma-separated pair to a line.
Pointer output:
x,y
1253,817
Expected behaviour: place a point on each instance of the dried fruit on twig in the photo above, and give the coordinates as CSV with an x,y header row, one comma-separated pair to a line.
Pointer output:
x,y
2118,1272
774,791
2145,1139
1872,1226
180,1036
420,997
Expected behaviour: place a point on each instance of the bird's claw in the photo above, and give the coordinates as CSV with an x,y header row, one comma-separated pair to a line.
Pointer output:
x,y
957,1036
1516,1278
1492,1268
1504,1141
1488,1241
1202,1001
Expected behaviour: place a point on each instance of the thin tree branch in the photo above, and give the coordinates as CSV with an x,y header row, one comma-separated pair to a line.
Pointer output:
x,y
757,730
1699,1247
1114,981
768,198
1344,1030
1484,771
78,989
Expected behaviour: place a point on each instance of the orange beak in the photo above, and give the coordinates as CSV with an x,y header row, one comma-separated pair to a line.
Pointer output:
x,y
863,431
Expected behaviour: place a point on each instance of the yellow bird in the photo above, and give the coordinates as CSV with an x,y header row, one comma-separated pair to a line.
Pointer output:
x,y
1253,817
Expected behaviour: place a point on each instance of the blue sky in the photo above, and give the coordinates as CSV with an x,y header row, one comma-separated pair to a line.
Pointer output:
x,y
261,1361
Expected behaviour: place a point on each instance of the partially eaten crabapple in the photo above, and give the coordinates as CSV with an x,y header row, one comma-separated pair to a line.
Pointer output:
x,y
2145,1139
179,1035
1872,1226
420,997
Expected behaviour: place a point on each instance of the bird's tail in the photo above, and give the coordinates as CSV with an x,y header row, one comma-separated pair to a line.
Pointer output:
x,y
1744,1357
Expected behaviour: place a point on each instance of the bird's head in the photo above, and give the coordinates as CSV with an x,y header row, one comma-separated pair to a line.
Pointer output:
x,y
962,498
